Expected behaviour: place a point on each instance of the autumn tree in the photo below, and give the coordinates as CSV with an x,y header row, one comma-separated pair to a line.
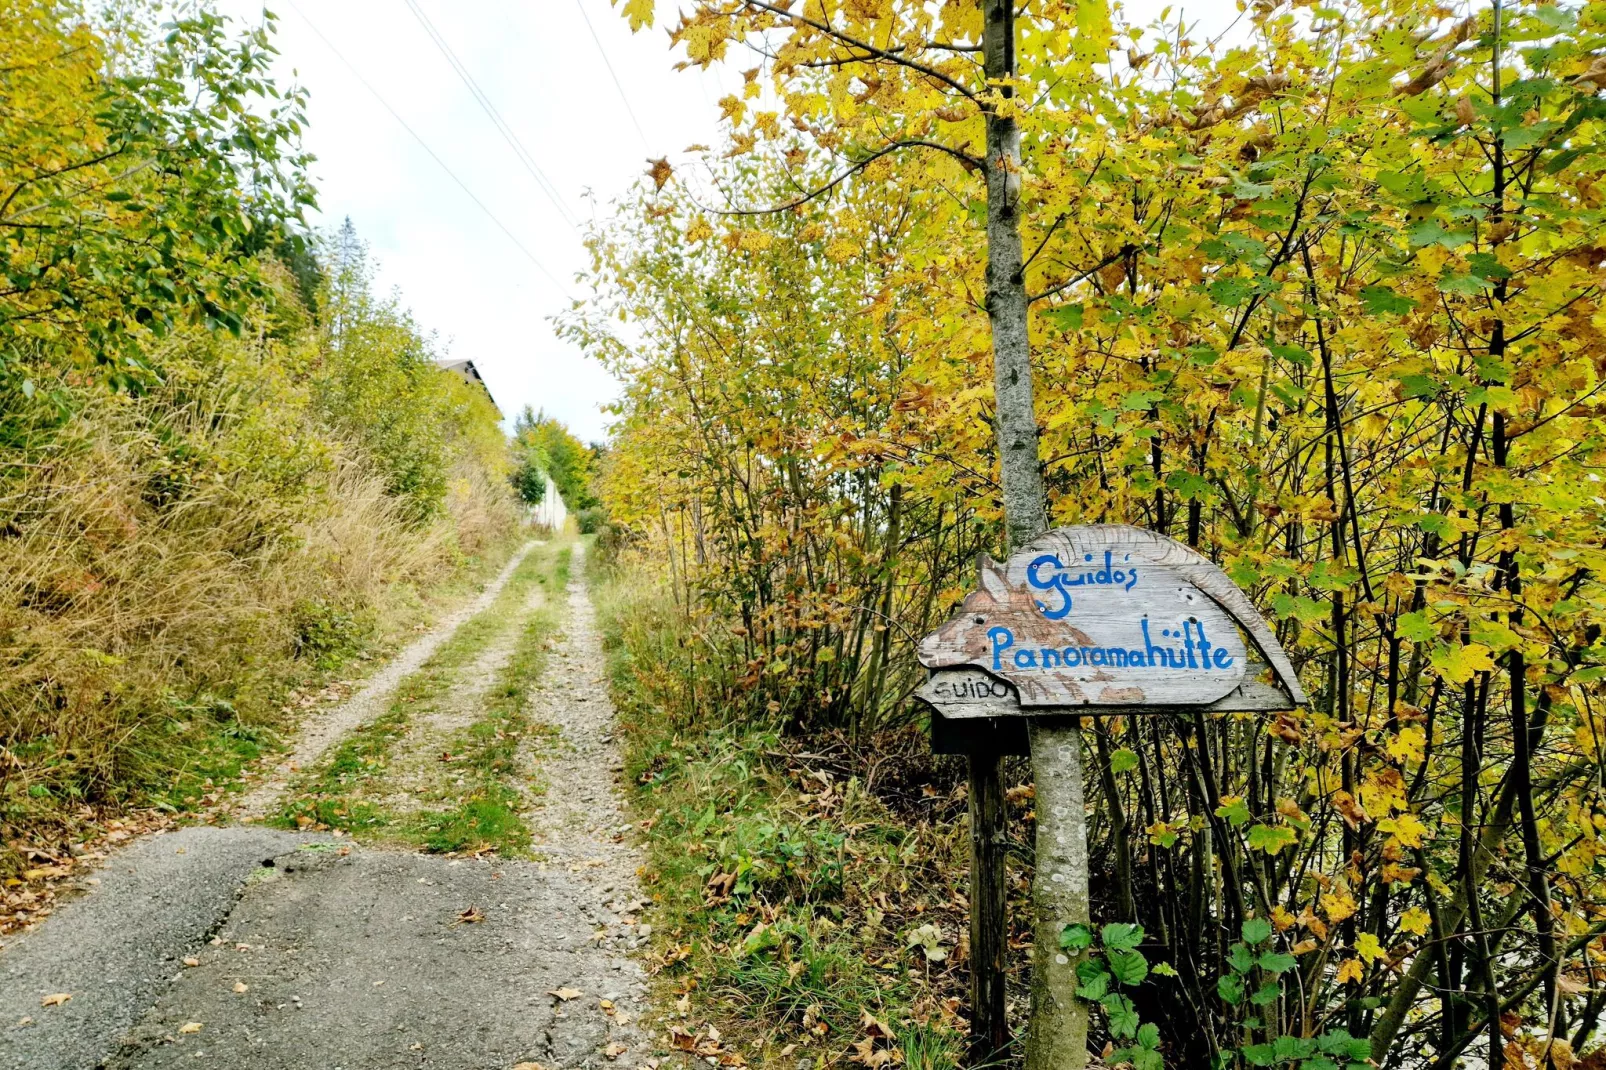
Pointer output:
x,y
1323,302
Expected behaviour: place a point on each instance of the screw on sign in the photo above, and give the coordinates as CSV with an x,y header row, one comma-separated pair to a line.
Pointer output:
x,y
1097,618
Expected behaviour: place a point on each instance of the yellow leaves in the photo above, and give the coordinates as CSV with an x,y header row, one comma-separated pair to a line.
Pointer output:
x,y
704,41
1353,813
699,229
660,172
1350,971
1369,949
638,13
732,109
1383,791
1416,921
55,999
1458,664
190,1027
1338,904
1406,828
841,250
1407,744
1093,30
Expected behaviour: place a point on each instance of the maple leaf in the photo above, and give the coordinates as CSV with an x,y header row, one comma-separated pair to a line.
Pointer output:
x,y
659,171
639,13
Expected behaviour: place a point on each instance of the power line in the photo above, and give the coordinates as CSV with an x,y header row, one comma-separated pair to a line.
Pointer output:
x,y
425,145
546,184
614,74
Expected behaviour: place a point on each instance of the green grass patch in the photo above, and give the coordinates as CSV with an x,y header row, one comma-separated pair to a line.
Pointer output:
x,y
481,813
788,899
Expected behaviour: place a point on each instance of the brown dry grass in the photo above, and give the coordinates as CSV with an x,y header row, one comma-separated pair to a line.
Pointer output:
x,y
170,566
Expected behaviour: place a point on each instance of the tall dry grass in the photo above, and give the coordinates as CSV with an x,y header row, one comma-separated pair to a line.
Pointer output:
x,y
172,564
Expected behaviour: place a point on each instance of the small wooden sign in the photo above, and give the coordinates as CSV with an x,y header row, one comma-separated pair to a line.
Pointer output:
x,y
1104,615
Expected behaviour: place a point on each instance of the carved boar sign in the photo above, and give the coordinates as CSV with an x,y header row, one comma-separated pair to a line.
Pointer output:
x,y
1104,615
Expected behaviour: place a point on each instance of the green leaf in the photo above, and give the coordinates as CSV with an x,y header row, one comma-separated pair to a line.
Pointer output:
x,y
1230,292
1260,1055
1256,931
1289,1048
1415,627
1123,760
1145,1059
1129,967
1076,937
1122,936
1065,317
1164,969
1149,1036
1234,809
1122,1014
1465,285
1240,958
1091,968
1095,989
1382,301
1432,232
1276,962
1266,994
1230,987
1271,838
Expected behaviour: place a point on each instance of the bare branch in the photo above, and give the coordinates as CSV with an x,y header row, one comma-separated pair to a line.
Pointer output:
x,y
963,157
871,51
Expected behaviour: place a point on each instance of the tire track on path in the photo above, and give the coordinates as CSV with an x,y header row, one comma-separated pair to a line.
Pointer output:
x,y
325,729
302,953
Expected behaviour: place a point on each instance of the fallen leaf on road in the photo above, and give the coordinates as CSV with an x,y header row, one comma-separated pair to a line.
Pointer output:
x,y
190,1027
24,1021
191,960
528,1066
566,994
241,986
616,1049
55,999
606,1005
681,1040
471,916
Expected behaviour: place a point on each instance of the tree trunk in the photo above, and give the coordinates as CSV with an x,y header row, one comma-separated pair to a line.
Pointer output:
x,y
1056,1037
1016,421
1057,1033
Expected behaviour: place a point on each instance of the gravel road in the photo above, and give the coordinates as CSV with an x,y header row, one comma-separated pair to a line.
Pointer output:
x,y
244,947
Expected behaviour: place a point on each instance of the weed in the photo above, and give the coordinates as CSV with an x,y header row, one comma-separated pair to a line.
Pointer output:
x,y
784,893
481,800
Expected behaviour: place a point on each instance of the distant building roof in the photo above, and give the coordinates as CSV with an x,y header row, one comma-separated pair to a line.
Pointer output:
x,y
466,371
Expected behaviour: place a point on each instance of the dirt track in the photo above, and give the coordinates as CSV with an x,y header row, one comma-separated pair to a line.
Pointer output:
x,y
242,946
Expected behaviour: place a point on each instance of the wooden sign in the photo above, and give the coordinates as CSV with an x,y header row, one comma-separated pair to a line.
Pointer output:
x,y
1104,615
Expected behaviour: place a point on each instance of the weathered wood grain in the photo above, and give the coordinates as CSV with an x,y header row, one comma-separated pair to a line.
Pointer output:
x,y
972,694
1110,615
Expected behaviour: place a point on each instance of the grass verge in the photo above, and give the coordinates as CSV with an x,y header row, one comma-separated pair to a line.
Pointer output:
x,y
809,894
472,797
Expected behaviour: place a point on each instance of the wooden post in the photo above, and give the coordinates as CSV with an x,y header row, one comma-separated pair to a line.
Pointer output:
x,y
989,921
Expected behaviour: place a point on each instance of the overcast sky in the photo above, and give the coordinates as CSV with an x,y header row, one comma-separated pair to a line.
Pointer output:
x,y
539,66
537,63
